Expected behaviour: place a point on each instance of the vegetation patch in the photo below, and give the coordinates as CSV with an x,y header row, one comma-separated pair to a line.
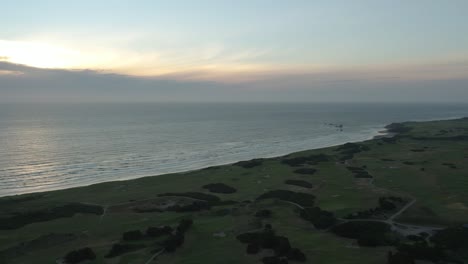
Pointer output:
x,y
41,242
307,171
267,239
386,205
77,256
21,219
367,233
300,183
219,188
302,199
306,160
120,249
247,164
359,172
398,128
321,219
194,195
348,150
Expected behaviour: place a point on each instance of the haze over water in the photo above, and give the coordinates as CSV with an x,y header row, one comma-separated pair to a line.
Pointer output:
x,y
55,146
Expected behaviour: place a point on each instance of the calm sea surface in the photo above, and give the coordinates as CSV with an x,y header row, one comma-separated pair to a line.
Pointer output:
x,y
56,146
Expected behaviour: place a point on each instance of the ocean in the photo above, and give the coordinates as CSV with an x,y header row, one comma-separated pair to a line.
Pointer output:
x,y
55,146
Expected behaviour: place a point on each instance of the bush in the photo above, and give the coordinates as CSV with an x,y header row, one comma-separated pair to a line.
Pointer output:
x,y
249,163
219,188
68,210
253,248
303,199
308,171
120,249
80,255
296,255
453,238
265,213
132,235
399,258
184,225
173,242
311,160
321,219
194,195
368,233
300,183
193,207
274,260
158,231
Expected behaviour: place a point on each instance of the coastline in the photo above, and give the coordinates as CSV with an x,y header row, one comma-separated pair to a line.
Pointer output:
x,y
382,132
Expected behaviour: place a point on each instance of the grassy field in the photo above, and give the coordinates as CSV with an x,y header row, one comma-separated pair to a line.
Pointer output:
x,y
426,163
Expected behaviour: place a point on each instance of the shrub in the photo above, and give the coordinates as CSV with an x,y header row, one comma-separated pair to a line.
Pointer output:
x,y
173,242
300,183
249,163
274,260
120,249
399,258
194,195
296,255
253,248
193,207
184,225
80,255
308,171
368,233
311,160
303,199
68,210
321,219
265,213
219,188
158,231
132,235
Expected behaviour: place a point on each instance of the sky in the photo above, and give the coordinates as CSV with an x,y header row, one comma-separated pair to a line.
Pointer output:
x,y
361,50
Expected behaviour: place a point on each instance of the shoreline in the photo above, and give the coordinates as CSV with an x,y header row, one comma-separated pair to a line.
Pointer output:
x,y
378,133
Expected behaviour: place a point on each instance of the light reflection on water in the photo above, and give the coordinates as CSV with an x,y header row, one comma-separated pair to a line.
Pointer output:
x,y
47,147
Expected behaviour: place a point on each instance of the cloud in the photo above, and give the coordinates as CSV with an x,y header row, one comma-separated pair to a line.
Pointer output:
x,y
439,82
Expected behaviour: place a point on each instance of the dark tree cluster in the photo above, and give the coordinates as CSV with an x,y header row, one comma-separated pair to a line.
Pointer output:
x,y
399,258
321,219
120,249
303,199
177,239
453,238
159,231
267,239
300,183
448,245
386,205
306,160
367,233
132,235
450,165
68,210
249,163
219,188
193,207
194,195
306,171
398,128
77,256
348,150
359,172
264,213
